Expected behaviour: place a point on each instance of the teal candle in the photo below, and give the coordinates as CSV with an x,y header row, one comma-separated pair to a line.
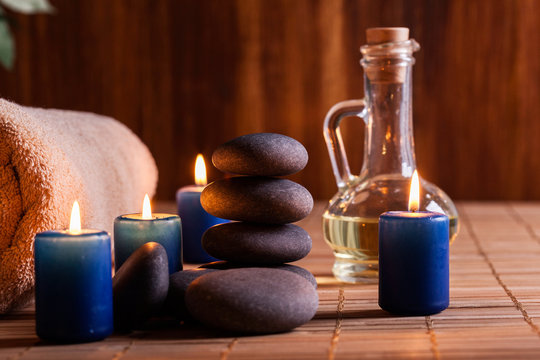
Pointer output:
x,y
133,230
73,285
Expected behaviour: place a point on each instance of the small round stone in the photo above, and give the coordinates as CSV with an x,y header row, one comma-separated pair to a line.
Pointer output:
x,y
257,243
261,154
178,283
252,300
226,265
140,286
257,199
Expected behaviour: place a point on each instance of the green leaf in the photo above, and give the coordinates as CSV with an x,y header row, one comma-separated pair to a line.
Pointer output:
x,y
28,6
7,46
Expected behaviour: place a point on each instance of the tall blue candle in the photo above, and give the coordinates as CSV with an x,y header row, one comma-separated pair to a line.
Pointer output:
x,y
195,220
73,291
413,260
133,230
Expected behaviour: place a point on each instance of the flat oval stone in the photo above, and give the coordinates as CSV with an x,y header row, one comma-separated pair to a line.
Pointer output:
x,y
140,286
226,265
252,300
175,304
257,243
257,199
261,154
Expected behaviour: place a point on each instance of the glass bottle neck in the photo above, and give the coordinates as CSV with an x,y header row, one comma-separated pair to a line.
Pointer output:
x,y
389,142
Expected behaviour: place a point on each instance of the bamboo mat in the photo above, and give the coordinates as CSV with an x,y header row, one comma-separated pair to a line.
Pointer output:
x,y
494,309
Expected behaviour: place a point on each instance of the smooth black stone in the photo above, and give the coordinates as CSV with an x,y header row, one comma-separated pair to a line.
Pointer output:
x,y
257,199
140,286
261,154
257,243
252,300
175,305
226,265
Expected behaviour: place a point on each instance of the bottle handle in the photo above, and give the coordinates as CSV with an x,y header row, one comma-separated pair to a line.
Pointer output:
x,y
334,141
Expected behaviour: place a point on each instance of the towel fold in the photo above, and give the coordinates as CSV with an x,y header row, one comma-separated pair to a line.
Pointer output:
x,y
49,159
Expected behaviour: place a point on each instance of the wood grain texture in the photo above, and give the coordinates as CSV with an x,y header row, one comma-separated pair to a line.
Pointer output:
x,y
494,310
188,75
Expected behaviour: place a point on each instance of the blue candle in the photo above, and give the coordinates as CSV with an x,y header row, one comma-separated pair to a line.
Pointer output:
x,y
133,230
73,285
413,261
195,220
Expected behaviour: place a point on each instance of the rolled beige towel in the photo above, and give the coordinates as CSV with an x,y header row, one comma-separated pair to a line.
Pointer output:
x,y
48,159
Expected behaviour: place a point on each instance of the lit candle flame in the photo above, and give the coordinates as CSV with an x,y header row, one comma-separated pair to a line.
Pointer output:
x,y
146,209
414,195
200,171
75,221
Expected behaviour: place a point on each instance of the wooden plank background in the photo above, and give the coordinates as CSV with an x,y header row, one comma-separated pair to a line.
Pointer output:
x,y
188,75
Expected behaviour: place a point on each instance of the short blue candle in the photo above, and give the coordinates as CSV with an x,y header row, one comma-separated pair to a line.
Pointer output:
x,y
132,230
73,285
195,221
413,262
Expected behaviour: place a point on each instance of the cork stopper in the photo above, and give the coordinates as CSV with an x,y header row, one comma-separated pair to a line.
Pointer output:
x,y
381,35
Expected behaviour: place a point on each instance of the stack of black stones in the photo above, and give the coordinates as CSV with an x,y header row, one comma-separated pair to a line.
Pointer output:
x,y
252,290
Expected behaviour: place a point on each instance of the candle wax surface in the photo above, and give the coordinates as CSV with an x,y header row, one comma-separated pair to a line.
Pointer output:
x,y
192,188
155,216
83,232
412,214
